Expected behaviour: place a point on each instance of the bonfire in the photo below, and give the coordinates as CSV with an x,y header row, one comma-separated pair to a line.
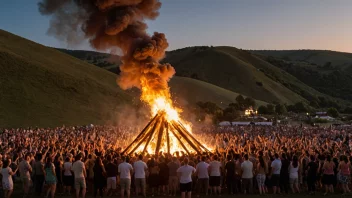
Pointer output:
x,y
165,132
111,25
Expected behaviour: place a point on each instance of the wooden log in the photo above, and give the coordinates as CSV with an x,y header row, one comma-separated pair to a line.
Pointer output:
x,y
155,128
147,134
141,141
167,137
160,136
142,133
179,140
192,137
195,148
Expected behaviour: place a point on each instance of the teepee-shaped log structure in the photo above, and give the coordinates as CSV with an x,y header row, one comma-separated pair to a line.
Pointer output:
x,y
160,134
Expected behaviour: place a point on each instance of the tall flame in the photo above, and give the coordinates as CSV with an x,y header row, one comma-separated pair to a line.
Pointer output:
x,y
112,24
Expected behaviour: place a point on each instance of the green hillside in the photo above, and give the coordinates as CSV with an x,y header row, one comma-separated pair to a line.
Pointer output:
x,y
41,86
256,75
44,87
219,68
185,90
188,91
318,57
328,72
222,67
105,61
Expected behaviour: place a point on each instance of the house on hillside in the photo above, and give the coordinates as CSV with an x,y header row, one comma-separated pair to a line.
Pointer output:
x,y
321,113
250,112
328,118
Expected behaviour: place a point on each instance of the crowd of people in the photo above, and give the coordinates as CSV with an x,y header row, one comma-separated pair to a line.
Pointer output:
x,y
244,160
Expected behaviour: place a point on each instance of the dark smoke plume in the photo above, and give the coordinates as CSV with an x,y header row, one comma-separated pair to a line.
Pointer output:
x,y
113,24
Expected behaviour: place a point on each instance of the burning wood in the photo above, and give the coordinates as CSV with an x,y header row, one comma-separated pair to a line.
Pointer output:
x,y
164,133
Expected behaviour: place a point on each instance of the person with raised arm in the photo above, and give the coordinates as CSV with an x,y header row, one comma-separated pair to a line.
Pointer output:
x,y
7,182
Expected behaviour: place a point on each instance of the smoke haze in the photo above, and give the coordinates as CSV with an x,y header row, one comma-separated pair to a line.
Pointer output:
x,y
112,25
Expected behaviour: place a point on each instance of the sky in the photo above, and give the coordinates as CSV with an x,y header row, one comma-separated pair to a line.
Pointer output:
x,y
245,24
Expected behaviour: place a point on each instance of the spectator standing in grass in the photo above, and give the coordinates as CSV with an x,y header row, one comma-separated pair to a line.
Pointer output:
x,y
203,176
99,176
111,174
328,175
25,174
140,169
7,182
68,176
153,180
230,175
275,177
58,171
312,171
163,176
344,173
173,179
262,170
215,175
39,174
284,173
247,175
185,174
79,171
50,177
125,171
294,172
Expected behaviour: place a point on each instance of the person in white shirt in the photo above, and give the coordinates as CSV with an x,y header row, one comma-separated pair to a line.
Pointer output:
x,y
276,169
203,176
215,175
68,177
140,168
247,174
185,174
294,171
125,171
79,171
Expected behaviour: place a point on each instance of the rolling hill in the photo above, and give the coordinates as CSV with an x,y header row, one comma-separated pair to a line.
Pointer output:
x,y
232,69
188,91
240,71
318,57
329,72
221,69
42,86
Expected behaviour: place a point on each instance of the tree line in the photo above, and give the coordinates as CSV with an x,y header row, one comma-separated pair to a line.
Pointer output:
x,y
235,110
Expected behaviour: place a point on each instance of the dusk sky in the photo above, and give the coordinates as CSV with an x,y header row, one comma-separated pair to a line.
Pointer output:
x,y
246,24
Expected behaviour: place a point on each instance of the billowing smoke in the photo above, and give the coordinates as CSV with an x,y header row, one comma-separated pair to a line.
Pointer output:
x,y
111,25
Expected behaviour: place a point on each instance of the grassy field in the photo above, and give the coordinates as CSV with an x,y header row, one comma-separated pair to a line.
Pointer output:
x,y
241,71
252,74
319,57
223,68
187,91
329,72
40,86
217,67
18,193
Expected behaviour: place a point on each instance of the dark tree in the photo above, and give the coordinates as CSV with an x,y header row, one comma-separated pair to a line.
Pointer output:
x,y
270,109
333,112
240,99
249,102
263,110
280,109
300,107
